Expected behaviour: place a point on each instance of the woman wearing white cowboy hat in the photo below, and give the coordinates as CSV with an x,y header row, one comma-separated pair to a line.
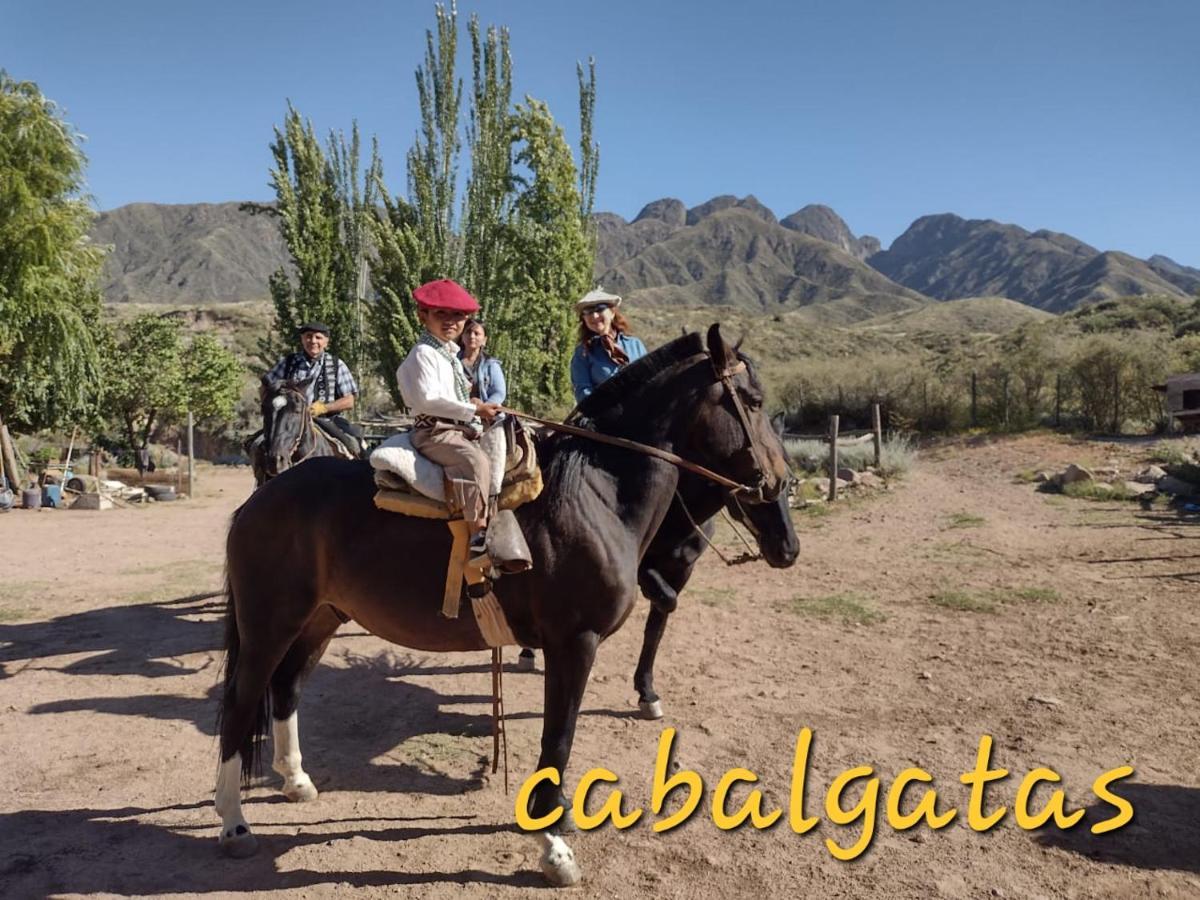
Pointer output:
x,y
605,344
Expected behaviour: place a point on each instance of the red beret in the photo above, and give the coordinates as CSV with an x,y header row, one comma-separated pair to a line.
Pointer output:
x,y
445,294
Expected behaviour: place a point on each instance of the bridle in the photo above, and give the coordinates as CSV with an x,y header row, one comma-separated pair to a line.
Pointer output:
x,y
753,493
306,426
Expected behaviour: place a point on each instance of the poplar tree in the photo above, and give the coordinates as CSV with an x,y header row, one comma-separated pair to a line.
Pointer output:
x,y
322,202
523,243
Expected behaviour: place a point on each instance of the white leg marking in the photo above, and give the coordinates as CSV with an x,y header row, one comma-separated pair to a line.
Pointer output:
x,y
236,839
297,786
558,861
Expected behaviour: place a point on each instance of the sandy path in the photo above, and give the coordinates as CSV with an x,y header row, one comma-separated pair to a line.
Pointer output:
x,y
109,629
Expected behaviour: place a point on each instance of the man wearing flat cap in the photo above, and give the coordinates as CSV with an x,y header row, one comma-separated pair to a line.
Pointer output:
x,y
436,391
331,387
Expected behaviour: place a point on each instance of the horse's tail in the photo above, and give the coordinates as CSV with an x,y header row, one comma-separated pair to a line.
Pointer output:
x,y
255,731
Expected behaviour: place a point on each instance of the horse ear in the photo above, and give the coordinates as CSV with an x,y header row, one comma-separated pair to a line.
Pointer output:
x,y
267,381
722,354
779,423
738,346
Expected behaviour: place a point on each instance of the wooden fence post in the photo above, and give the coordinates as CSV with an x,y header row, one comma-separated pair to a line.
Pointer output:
x,y
877,426
191,456
833,457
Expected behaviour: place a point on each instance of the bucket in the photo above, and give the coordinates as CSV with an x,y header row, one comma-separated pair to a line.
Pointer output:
x,y
52,495
31,498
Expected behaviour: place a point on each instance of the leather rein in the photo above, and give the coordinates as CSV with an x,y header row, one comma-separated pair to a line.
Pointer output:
x,y
735,487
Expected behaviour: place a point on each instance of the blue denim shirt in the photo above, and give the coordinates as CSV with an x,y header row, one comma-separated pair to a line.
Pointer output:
x,y
492,387
593,365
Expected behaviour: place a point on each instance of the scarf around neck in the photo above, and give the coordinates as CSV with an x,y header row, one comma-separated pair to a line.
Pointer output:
x,y
612,348
462,387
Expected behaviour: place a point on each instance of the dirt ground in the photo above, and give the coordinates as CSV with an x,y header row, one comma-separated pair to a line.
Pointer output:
x,y
958,605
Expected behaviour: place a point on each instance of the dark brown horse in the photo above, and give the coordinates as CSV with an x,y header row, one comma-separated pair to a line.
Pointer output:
x,y
310,547
289,435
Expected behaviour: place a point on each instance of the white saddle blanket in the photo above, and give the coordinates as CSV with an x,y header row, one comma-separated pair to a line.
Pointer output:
x,y
397,456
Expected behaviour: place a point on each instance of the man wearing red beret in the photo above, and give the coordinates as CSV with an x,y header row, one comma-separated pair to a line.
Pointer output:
x,y
435,388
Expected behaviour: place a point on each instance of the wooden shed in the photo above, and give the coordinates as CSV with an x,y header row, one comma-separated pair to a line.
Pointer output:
x,y
1183,400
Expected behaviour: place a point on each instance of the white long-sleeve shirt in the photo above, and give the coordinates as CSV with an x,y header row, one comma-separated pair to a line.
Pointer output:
x,y
426,381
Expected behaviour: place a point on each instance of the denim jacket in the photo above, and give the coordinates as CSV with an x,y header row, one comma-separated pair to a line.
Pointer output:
x,y
492,388
592,365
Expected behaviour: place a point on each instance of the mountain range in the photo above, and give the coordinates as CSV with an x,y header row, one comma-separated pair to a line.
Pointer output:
x,y
729,251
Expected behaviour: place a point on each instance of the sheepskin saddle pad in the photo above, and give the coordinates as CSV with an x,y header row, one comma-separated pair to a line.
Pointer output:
x,y
411,484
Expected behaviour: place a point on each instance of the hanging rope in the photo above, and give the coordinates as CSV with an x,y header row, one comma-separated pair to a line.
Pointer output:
x,y
751,556
499,734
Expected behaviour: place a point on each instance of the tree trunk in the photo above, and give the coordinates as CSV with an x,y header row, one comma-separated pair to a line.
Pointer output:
x,y
9,456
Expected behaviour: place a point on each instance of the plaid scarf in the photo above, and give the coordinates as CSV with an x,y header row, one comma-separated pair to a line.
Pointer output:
x,y
462,387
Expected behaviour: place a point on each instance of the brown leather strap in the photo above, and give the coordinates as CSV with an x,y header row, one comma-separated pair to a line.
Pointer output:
x,y
645,449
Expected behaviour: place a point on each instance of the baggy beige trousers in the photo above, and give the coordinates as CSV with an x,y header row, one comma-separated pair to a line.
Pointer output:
x,y
468,472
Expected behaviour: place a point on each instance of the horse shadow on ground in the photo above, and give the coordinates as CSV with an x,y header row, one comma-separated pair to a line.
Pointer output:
x,y
364,725
88,851
145,639
1163,834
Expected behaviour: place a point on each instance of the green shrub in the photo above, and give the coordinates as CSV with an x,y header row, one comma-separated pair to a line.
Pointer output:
x,y
898,454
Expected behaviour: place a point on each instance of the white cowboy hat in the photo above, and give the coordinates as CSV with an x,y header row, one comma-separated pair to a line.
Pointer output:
x,y
592,298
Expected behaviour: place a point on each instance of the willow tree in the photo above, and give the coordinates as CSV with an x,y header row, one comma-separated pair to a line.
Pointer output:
x,y
521,241
49,295
322,201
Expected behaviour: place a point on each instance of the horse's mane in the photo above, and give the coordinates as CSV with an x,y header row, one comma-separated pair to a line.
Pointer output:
x,y
613,393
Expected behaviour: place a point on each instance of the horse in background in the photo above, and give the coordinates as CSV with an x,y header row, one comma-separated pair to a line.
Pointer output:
x,y
289,434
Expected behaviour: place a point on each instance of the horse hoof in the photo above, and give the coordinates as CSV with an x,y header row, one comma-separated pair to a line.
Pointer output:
x,y
526,663
558,863
300,792
650,709
239,843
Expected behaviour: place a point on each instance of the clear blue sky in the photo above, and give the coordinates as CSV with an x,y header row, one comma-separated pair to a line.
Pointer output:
x,y
1081,116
